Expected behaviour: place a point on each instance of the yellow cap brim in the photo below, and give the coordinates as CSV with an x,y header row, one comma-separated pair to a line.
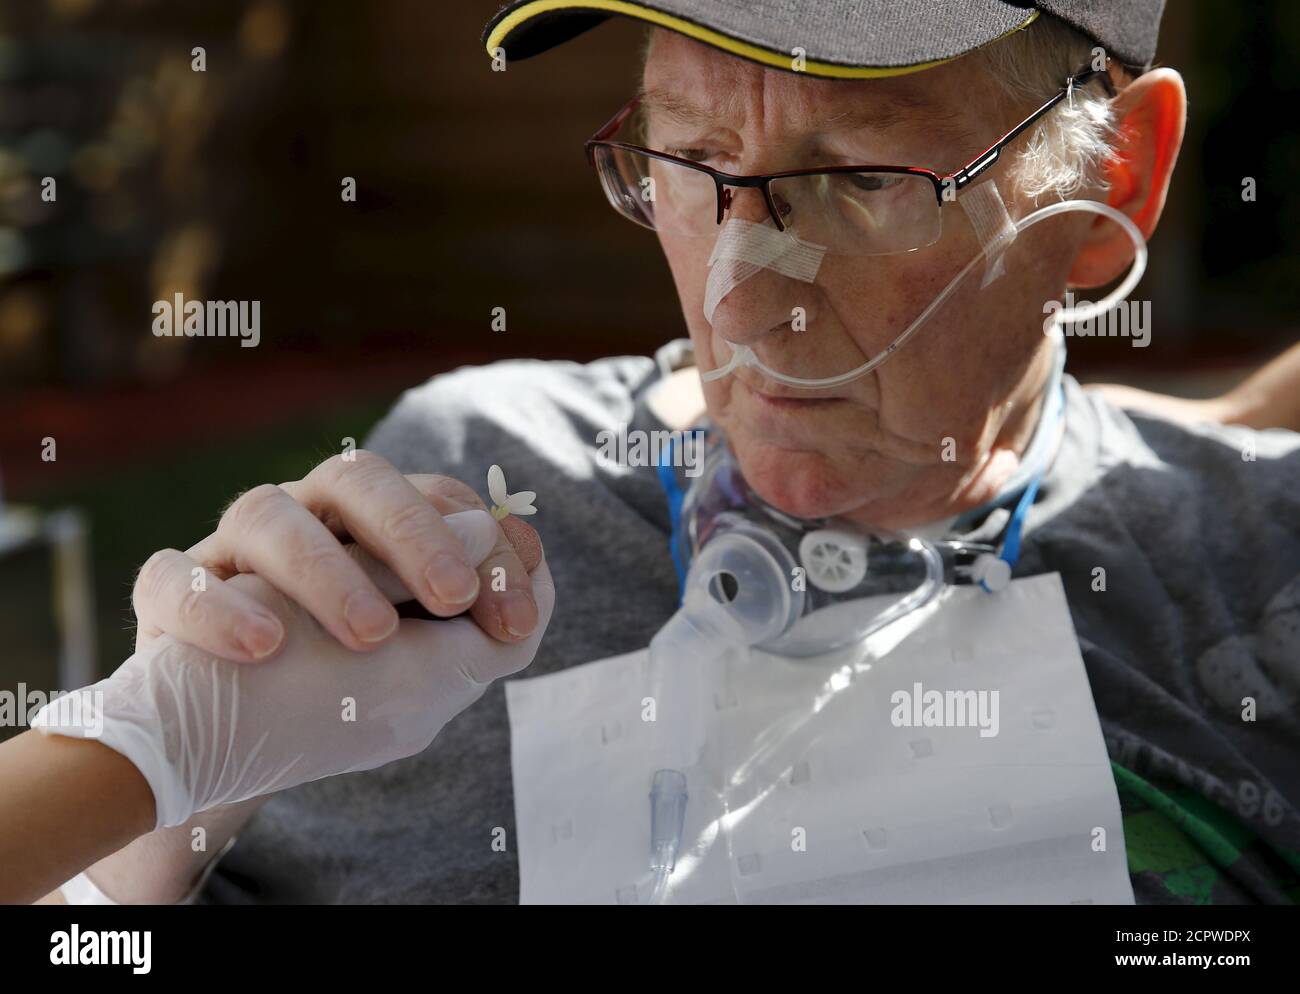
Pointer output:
x,y
513,21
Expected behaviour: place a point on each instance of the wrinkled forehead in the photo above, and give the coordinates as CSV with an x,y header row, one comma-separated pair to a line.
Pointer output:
x,y
687,82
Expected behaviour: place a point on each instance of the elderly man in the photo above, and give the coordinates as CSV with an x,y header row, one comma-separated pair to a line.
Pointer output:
x,y
767,113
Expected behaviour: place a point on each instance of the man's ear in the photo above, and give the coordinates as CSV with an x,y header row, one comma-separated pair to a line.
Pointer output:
x,y
1151,113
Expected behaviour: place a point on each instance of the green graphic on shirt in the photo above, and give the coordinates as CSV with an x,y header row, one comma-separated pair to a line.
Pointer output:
x,y
1191,844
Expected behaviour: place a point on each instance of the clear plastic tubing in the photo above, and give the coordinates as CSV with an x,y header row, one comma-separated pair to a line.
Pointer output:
x,y
743,355
738,594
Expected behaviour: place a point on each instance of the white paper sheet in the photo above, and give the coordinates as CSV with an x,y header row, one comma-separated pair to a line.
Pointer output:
x,y
826,799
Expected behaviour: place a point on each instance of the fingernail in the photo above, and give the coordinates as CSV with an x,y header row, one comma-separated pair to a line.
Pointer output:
x,y
518,613
451,581
371,618
259,634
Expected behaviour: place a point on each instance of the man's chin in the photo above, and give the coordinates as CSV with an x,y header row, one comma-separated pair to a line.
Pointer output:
x,y
805,484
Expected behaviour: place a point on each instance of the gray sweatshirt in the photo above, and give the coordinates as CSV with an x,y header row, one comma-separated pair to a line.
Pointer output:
x,y
1201,607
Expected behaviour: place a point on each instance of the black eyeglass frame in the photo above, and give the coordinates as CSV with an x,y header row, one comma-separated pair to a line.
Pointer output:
x,y
960,178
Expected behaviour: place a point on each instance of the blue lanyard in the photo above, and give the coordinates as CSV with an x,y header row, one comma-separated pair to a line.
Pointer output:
x,y
673,491
1010,551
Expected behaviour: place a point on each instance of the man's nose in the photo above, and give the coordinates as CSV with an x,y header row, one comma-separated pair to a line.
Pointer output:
x,y
767,304
765,307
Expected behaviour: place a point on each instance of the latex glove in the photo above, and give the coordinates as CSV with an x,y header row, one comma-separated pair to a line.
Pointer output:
x,y
206,731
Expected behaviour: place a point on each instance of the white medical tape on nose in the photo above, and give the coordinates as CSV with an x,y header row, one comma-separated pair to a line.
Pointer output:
x,y
993,226
744,247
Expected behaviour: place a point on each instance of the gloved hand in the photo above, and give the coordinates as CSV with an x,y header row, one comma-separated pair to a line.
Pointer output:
x,y
205,731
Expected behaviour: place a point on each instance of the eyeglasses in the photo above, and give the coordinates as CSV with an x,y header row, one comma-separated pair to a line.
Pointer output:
x,y
851,210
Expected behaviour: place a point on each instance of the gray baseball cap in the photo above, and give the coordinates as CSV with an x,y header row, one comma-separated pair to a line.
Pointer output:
x,y
845,39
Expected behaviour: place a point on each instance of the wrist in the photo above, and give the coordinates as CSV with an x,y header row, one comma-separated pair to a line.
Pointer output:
x,y
107,784
137,713
137,806
68,802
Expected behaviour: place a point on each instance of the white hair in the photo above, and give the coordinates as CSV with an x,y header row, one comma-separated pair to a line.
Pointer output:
x,y
1064,151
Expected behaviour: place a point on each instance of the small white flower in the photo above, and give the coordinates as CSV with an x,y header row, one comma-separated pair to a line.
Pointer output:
x,y
504,504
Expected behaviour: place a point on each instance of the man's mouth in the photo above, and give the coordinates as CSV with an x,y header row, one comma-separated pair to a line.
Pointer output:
x,y
789,398
797,403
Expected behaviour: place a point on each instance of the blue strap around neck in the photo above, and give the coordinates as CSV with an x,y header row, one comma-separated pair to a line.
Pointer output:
x,y
673,491
1010,551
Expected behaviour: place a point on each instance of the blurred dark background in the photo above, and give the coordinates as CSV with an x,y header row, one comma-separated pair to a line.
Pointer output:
x,y
472,193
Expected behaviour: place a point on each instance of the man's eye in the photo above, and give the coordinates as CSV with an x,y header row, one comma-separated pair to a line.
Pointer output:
x,y
872,182
693,154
